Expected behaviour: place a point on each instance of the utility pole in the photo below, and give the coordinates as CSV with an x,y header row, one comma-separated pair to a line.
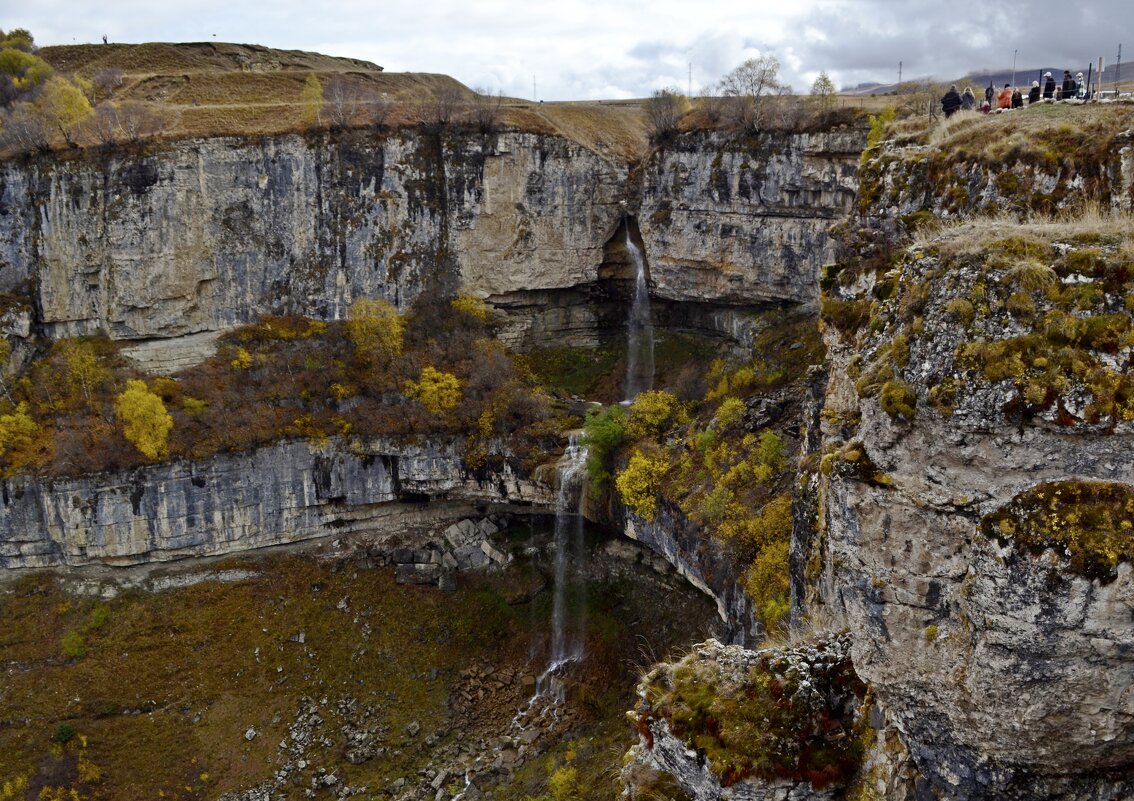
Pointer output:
x,y
1117,70
1014,52
899,76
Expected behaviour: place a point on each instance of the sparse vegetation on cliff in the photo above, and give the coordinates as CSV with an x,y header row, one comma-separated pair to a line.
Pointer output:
x,y
1046,311
772,715
1035,302
430,371
711,462
1091,523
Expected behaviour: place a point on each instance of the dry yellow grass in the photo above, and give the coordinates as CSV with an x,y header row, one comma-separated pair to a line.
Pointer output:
x,y
217,89
166,58
1045,129
973,236
612,128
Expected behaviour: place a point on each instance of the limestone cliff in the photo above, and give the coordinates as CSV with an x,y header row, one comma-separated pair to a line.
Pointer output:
x,y
286,493
991,617
202,235
167,247
746,222
208,234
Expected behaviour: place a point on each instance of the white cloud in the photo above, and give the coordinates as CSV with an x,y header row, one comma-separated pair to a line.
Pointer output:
x,y
579,49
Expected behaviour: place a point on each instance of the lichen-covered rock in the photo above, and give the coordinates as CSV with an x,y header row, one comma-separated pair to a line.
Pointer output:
x,y
977,426
284,493
761,725
999,168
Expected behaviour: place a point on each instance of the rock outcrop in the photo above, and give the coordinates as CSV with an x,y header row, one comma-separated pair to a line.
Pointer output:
x,y
998,644
285,493
738,223
727,722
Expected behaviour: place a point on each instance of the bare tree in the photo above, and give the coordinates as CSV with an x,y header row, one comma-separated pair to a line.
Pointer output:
x,y
711,104
920,97
787,108
104,123
105,81
746,88
25,128
664,110
487,108
446,107
341,102
378,106
138,121
9,92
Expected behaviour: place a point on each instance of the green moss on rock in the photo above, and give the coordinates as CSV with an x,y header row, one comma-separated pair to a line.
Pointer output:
x,y
774,714
898,399
1090,522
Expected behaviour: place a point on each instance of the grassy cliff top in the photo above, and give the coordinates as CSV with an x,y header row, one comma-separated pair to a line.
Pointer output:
x,y
166,58
217,88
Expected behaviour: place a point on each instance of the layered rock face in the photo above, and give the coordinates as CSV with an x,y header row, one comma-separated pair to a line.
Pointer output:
x,y
742,223
209,234
285,493
981,381
702,563
168,248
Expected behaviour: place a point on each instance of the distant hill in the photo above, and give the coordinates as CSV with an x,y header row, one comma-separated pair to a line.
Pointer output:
x,y
162,57
1024,77
220,88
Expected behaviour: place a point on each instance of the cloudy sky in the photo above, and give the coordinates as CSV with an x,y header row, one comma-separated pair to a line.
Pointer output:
x,y
585,49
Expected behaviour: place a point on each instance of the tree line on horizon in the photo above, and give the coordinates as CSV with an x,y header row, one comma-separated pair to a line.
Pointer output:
x,y
747,100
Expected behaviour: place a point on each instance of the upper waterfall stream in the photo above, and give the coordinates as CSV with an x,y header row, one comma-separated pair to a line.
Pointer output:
x,y
640,329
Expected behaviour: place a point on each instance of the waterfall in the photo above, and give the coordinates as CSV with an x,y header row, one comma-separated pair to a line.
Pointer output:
x,y
640,337
566,636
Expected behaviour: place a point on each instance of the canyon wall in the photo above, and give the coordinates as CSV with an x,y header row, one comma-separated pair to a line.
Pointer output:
x,y
971,450
203,235
168,247
740,223
967,490
209,234
285,493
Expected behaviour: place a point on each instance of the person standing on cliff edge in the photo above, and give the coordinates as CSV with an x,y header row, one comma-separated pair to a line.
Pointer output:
x,y
1048,86
951,101
1067,91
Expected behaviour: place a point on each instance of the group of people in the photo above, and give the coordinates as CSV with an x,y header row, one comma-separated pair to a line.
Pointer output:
x,y
1012,97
